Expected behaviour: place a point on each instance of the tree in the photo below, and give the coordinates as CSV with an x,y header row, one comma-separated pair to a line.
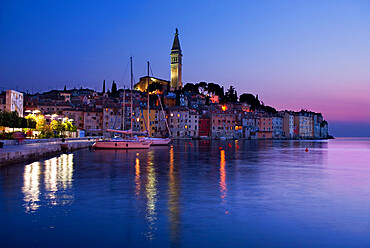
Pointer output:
x,y
24,123
65,88
68,126
114,89
207,100
201,87
155,86
56,126
31,123
104,86
177,98
231,95
250,99
190,87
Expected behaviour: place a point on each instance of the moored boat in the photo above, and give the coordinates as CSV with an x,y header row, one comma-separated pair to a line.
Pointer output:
x,y
158,141
121,144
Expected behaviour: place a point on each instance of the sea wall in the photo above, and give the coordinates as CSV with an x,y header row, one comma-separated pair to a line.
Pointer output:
x,y
22,153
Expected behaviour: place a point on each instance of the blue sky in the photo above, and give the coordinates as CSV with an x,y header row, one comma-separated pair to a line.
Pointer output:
x,y
294,54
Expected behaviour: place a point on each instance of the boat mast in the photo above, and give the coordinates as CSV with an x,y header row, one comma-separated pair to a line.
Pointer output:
x,y
148,104
131,97
124,108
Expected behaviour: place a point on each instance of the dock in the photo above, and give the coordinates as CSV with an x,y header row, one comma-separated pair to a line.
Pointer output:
x,y
28,152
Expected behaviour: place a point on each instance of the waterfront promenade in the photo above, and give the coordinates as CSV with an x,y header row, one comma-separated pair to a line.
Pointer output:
x,y
31,151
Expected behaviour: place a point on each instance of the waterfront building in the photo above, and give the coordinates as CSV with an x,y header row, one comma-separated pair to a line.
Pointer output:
x,y
317,120
277,126
112,119
264,127
157,122
176,63
250,126
324,130
76,115
204,126
192,124
14,102
222,123
303,124
288,124
93,122
176,120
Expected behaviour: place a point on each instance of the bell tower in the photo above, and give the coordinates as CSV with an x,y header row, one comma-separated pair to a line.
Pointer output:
x,y
176,63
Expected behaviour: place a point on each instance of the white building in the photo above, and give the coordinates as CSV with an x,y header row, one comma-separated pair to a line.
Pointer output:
x,y
277,126
192,124
112,119
14,102
177,120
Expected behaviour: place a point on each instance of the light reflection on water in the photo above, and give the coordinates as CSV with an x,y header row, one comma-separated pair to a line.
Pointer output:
x,y
151,195
57,173
248,193
31,188
174,200
223,186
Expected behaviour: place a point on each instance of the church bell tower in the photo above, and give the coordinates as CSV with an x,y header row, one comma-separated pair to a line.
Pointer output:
x,y
176,63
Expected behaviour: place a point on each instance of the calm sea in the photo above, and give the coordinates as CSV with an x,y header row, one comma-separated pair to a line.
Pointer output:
x,y
192,194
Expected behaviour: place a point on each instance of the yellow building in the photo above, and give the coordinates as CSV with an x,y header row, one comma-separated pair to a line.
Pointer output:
x,y
144,121
142,85
157,122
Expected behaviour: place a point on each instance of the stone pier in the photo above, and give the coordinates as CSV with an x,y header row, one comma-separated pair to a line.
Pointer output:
x,y
20,153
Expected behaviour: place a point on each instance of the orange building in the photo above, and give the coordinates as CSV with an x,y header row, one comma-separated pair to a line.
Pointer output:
x,y
169,101
265,127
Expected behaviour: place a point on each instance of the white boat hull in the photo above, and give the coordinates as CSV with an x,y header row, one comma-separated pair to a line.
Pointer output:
x,y
158,141
121,145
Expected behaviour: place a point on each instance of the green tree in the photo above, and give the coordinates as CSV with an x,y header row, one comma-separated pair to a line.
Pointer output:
x,y
114,89
190,87
31,123
231,95
68,126
56,126
251,100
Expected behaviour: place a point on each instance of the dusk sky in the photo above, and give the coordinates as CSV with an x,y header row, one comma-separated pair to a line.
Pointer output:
x,y
294,54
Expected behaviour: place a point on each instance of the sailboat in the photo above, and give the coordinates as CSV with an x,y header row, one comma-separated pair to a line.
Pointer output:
x,y
155,141
129,143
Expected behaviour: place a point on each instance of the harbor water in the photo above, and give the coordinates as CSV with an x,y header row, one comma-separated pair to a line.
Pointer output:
x,y
192,194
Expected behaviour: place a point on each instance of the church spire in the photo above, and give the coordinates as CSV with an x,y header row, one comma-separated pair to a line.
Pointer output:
x,y
176,63
176,43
